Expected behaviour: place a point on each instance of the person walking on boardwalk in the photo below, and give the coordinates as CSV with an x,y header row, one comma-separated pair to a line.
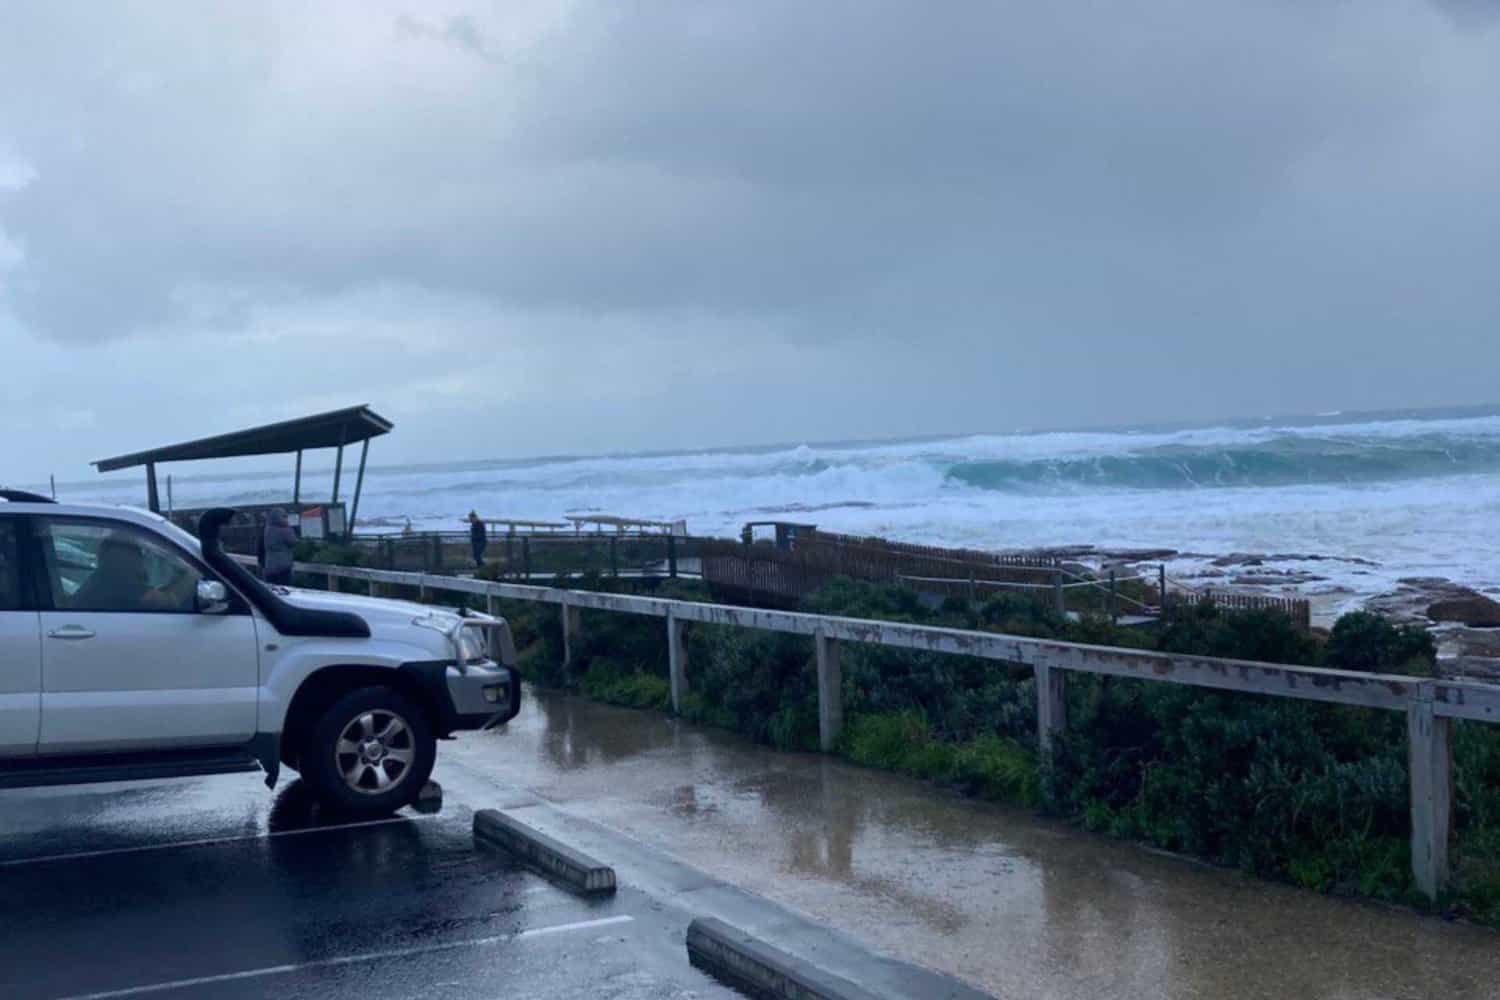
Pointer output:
x,y
478,539
278,541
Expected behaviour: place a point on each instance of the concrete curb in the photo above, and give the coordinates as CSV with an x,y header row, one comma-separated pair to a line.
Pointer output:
x,y
562,862
763,970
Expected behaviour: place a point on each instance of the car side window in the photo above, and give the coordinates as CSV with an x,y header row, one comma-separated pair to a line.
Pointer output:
x,y
10,566
94,566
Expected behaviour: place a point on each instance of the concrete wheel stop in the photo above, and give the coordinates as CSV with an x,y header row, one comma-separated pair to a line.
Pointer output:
x,y
763,970
552,857
429,799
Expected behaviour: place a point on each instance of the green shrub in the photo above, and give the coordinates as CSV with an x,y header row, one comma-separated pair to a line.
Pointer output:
x,y
610,682
1364,641
748,679
987,767
884,741
1256,635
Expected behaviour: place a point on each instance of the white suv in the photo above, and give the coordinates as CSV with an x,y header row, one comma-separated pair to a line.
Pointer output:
x,y
130,650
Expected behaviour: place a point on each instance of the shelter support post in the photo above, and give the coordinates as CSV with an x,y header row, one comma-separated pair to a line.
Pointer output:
x,y
297,480
359,482
338,471
152,500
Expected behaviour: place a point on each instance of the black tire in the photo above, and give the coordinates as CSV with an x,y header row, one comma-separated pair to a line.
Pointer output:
x,y
325,763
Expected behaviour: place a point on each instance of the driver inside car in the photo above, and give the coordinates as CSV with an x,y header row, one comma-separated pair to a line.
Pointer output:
x,y
120,582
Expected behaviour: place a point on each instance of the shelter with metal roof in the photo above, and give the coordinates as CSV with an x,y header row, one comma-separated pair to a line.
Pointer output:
x,y
334,429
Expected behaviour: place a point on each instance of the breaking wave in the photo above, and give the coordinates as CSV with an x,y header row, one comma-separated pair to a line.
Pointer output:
x,y
1279,461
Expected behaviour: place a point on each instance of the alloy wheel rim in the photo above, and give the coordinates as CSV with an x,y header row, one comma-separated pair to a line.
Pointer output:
x,y
375,752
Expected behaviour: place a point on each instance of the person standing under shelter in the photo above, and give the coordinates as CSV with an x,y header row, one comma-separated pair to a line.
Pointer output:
x,y
279,541
478,539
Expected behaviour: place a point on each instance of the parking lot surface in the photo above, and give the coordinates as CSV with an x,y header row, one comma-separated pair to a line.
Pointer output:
x,y
213,887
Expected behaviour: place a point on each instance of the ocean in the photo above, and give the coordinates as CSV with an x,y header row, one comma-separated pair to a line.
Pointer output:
x,y
1344,505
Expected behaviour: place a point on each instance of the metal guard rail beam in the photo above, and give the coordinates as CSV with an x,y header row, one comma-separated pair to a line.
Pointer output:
x,y
1397,692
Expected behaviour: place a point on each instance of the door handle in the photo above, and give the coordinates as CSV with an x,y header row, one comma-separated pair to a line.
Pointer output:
x,y
71,632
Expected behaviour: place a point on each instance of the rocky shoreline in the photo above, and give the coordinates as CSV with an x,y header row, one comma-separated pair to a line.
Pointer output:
x,y
1464,622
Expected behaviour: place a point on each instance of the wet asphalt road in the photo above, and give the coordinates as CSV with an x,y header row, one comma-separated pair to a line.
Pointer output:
x,y
1011,903
215,877
213,887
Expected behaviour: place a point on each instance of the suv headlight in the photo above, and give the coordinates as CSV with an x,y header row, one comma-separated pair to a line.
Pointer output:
x,y
467,641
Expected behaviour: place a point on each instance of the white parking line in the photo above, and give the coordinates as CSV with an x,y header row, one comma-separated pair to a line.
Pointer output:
x,y
371,956
215,840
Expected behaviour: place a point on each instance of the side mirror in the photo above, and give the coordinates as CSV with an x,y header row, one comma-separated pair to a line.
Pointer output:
x,y
212,597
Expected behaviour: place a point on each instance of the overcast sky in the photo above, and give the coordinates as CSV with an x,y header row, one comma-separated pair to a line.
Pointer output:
x,y
527,228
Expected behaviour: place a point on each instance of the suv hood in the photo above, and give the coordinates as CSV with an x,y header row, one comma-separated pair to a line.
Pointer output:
x,y
372,609
389,620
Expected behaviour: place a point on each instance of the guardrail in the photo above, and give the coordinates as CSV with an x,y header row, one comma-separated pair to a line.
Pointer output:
x,y
524,555
1430,705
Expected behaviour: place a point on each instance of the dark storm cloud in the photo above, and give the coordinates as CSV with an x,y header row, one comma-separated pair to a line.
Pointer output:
x,y
1099,196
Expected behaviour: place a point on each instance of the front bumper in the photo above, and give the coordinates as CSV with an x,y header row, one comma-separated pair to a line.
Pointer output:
x,y
476,696
483,694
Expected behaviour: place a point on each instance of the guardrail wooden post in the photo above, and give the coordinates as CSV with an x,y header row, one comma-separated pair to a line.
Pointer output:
x,y
672,556
1051,706
525,558
1430,739
333,582
572,628
1114,597
490,605
830,693
421,586
676,660
1057,593
614,556
1161,574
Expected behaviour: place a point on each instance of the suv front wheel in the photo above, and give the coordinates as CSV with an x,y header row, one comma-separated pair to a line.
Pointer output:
x,y
370,752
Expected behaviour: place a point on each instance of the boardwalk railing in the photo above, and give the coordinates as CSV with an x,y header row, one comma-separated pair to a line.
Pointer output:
x,y
526,554
762,573
1430,705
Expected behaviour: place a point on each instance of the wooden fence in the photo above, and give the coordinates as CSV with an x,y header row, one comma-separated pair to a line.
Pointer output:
x,y
1298,609
761,573
527,555
1430,705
